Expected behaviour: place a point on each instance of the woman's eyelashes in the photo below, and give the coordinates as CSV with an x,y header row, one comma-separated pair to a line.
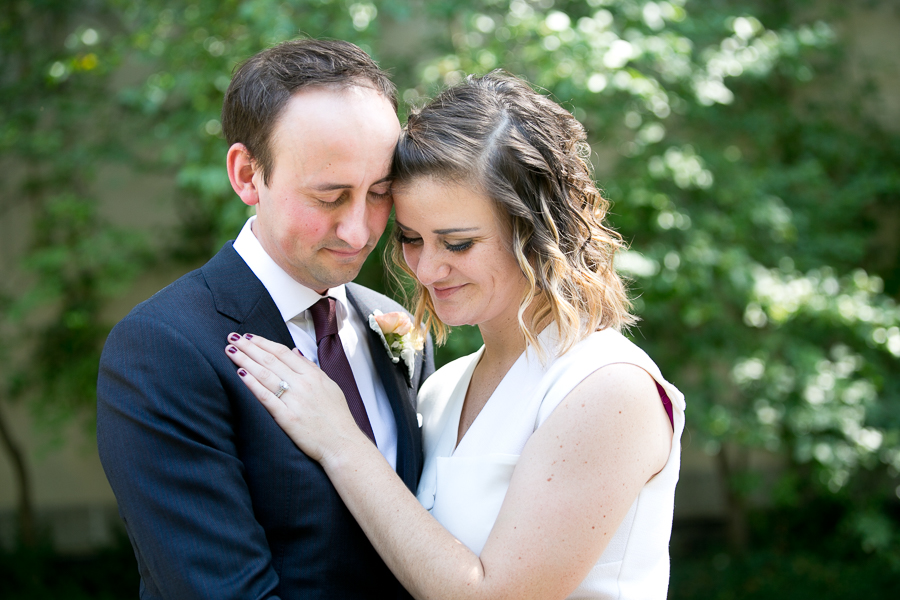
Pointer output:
x,y
408,241
458,247
415,241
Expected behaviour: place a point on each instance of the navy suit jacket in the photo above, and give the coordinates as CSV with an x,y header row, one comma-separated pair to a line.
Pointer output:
x,y
217,500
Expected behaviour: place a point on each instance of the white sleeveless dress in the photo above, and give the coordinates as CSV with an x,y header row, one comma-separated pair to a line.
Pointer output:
x,y
464,488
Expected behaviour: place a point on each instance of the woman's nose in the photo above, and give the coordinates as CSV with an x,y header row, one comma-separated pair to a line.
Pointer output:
x,y
430,266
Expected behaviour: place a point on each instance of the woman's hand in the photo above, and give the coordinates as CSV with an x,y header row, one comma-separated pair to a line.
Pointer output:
x,y
312,410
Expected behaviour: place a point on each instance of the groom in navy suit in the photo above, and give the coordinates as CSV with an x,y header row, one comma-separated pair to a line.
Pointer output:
x,y
217,501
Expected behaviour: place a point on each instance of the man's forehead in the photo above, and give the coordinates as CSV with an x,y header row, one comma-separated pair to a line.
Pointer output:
x,y
324,110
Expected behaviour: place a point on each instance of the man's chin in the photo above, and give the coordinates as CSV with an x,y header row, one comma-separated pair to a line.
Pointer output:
x,y
337,273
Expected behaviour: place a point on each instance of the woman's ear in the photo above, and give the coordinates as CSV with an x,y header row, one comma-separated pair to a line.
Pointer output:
x,y
241,168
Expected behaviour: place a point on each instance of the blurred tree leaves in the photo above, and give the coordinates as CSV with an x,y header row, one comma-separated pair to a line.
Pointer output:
x,y
757,206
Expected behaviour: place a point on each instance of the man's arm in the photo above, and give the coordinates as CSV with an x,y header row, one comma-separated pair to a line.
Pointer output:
x,y
166,437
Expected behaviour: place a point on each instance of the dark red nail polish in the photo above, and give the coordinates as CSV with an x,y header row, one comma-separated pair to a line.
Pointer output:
x,y
234,337
248,336
242,372
232,349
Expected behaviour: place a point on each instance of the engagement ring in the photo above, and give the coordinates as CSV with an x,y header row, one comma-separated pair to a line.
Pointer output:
x,y
282,388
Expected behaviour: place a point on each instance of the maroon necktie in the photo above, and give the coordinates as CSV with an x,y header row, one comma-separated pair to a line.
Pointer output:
x,y
334,362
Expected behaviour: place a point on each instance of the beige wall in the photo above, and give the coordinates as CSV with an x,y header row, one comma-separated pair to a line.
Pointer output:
x,y
75,506
71,494
873,55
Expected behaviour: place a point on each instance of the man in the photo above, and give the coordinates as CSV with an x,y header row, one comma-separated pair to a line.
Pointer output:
x,y
217,501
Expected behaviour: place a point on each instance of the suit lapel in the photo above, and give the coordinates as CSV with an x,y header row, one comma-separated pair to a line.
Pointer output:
x,y
399,395
241,296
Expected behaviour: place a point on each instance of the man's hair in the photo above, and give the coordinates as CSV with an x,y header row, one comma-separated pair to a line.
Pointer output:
x,y
262,86
530,157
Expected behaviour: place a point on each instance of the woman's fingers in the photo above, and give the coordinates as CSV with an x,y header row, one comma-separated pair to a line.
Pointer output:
x,y
285,414
289,357
271,355
276,407
269,362
312,410
269,378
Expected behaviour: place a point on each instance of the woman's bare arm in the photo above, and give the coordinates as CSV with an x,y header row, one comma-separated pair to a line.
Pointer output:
x,y
574,483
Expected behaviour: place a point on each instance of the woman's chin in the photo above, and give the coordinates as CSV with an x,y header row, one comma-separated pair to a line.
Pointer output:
x,y
454,320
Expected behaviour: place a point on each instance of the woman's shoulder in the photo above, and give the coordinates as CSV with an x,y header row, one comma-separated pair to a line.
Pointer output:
x,y
607,346
596,351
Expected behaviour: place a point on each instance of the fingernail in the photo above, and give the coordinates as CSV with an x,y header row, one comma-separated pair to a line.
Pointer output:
x,y
234,337
248,336
242,372
231,349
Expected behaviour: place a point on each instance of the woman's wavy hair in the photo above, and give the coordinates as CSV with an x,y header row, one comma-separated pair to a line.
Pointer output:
x,y
530,156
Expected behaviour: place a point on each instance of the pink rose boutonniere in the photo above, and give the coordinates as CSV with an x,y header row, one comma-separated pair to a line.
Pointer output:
x,y
399,338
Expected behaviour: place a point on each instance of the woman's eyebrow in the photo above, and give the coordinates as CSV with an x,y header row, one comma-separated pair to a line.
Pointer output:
x,y
441,231
454,230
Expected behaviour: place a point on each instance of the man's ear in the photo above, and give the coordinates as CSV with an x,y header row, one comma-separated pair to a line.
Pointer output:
x,y
241,168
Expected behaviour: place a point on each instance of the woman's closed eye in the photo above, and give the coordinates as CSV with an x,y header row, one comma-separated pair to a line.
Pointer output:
x,y
416,241
460,247
407,240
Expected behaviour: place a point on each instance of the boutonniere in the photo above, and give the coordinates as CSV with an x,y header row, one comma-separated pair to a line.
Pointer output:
x,y
399,338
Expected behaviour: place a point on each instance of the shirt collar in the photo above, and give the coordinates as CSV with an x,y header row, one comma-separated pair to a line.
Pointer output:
x,y
291,297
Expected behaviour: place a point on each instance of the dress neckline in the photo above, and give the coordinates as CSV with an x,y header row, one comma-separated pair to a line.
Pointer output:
x,y
523,364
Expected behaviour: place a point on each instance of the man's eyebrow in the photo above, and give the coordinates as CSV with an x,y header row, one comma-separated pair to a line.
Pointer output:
x,y
330,187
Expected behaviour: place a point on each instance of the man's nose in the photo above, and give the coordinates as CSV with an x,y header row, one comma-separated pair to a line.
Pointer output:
x,y
353,227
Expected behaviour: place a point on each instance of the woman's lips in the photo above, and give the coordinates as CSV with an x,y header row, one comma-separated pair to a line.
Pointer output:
x,y
442,293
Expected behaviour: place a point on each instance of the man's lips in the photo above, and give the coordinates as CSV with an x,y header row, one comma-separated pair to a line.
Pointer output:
x,y
346,254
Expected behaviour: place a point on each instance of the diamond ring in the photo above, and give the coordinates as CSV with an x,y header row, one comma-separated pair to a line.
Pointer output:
x,y
282,388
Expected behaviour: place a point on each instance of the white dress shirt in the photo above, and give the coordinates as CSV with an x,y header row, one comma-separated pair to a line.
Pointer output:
x,y
293,301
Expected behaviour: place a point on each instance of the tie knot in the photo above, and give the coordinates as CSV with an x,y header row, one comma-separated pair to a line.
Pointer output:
x,y
324,318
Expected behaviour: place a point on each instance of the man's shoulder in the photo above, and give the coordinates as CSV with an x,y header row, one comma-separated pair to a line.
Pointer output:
x,y
189,293
190,299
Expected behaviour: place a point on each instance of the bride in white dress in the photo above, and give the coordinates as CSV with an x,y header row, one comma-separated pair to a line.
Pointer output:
x,y
552,453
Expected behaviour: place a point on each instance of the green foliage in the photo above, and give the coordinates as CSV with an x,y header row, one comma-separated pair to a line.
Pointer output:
x,y
189,51
758,208
807,551
768,575
39,574
750,212
54,98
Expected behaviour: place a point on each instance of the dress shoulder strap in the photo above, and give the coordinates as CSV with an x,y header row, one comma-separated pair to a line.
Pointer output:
x,y
598,350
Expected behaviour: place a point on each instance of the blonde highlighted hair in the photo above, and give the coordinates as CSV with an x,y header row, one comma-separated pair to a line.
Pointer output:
x,y
531,158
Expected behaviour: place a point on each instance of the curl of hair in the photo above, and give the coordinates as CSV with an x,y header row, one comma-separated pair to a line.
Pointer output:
x,y
530,157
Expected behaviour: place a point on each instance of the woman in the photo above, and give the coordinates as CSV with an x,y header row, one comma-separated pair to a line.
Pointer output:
x,y
552,453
